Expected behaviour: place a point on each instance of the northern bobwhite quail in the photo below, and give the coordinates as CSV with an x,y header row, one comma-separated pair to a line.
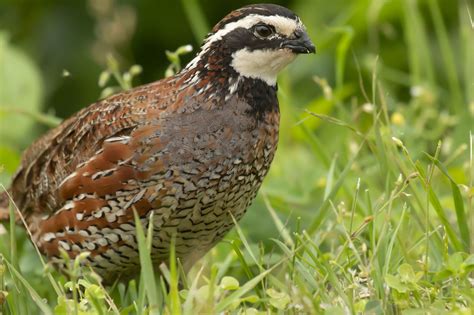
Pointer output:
x,y
192,148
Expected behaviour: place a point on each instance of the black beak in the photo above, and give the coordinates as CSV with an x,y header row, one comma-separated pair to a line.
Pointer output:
x,y
300,44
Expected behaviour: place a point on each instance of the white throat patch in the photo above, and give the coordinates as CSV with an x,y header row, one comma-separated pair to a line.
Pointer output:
x,y
261,64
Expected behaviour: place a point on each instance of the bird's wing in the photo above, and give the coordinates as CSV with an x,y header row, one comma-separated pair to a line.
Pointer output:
x,y
97,132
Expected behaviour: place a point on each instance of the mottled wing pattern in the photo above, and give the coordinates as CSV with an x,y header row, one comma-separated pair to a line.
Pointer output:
x,y
50,161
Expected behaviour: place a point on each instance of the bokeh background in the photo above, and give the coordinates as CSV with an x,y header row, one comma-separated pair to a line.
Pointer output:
x,y
391,81
76,36
53,52
63,46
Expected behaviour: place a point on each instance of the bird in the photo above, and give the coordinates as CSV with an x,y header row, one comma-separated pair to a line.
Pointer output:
x,y
186,154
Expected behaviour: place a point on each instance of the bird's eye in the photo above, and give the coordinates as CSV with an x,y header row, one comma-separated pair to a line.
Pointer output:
x,y
263,30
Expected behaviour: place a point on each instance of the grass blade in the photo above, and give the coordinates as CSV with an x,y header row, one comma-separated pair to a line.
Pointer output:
x,y
34,295
175,304
147,272
458,204
195,15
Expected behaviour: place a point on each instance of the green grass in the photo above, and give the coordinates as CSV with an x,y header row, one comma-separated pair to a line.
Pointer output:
x,y
368,207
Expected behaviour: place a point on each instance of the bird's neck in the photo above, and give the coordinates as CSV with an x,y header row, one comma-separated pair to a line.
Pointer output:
x,y
211,74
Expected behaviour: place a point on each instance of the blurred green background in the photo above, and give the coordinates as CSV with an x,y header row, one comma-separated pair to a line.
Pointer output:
x,y
392,81
52,54
77,35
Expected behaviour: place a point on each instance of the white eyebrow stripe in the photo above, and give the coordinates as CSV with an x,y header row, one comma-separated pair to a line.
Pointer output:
x,y
283,25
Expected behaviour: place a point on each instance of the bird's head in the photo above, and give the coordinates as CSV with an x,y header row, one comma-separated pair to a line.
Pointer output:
x,y
256,41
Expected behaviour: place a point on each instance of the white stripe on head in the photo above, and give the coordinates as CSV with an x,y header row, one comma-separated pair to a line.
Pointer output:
x,y
283,25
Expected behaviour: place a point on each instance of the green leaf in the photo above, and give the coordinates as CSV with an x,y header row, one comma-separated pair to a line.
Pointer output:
x,y
455,261
251,311
228,301
374,307
229,283
20,89
442,275
94,292
251,299
104,78
407,275
395,283
279,300
9,160
335,310
95,295
469,260
62,306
